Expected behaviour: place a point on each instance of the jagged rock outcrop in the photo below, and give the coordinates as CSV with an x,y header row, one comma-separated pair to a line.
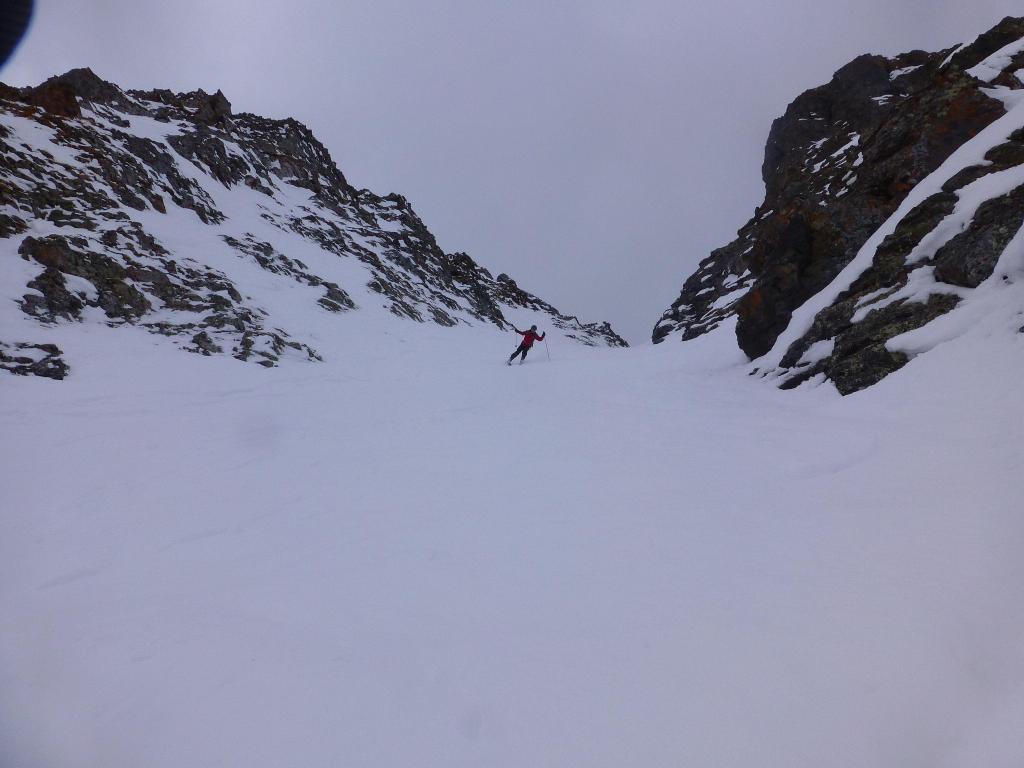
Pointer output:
x,y
87,166
838,165
33,360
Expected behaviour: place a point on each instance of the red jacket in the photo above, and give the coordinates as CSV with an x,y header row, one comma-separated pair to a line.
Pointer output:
x,y
529,337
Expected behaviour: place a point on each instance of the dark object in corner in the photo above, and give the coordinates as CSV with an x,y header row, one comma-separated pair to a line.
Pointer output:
x,y
14,18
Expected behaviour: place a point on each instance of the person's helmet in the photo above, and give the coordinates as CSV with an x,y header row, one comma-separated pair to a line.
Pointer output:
x,y
533,327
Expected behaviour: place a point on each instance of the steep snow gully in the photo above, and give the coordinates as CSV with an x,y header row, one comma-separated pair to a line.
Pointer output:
x,y
410,554
380,546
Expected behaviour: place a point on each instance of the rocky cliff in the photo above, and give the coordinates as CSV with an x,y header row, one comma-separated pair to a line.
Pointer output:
x,y
890,193
162,211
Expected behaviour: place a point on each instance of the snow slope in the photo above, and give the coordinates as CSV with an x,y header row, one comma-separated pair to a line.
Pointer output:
x,y
217,232
412,555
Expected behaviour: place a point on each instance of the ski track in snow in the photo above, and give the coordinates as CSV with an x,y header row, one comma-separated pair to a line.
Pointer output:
x,y
413,555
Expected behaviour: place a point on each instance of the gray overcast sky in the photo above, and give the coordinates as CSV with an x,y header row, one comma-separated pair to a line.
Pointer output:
x,y
595,151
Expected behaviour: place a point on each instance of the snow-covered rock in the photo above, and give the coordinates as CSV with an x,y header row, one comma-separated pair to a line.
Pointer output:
x,y
210,229
891,192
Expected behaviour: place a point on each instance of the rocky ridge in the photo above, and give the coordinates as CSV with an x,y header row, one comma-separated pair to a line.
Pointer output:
x,y
838,166
95,182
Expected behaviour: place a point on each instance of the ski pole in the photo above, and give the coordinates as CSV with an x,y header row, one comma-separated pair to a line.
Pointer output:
x,y
547,350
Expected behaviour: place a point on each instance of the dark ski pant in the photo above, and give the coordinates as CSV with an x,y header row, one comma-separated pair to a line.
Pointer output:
x,y
522,348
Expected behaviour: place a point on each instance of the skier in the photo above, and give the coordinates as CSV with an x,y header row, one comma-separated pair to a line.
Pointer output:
x,y
529,337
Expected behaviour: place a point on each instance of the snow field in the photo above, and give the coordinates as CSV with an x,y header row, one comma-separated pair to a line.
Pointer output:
x,y
413,555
